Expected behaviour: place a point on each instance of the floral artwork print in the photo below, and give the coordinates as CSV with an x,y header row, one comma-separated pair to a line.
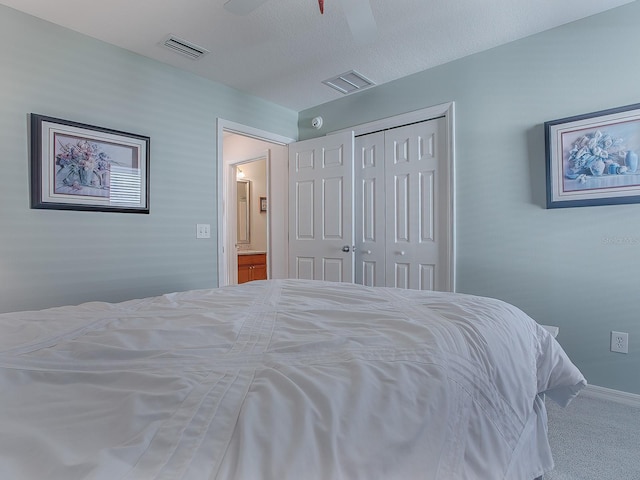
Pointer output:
x,y
76,166
599,158
592,159
83,167
591,153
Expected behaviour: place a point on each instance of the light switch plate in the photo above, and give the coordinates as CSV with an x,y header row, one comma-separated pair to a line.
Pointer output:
x,y
203,230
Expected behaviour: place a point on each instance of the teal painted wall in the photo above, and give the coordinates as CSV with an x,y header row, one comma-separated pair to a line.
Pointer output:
x,y
578,267
50,257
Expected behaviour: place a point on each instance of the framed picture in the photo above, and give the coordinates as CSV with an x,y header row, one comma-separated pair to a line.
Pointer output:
x,y
263,204
82,167
592,159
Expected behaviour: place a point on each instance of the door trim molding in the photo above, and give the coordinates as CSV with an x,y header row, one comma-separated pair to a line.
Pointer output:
x,y
446,110
443,110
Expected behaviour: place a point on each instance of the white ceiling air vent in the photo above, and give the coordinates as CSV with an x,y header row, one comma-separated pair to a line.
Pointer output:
x,y
349,82
183,47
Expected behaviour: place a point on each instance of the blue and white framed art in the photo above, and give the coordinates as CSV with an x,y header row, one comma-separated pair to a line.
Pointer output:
x,y
592,159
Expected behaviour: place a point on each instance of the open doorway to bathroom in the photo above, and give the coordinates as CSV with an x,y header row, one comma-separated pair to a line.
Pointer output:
x,y
251,219
261,223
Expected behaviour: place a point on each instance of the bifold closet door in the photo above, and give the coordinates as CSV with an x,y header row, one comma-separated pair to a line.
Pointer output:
x,y
388,194
416,197
403,208
369,188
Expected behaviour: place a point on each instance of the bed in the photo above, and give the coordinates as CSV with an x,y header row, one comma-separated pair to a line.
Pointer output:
x,y
280,379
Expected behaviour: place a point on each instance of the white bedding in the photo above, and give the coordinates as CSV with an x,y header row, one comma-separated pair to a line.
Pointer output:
x,y
282,379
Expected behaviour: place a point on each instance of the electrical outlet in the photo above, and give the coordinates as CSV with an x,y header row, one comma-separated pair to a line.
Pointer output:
x,y
619,342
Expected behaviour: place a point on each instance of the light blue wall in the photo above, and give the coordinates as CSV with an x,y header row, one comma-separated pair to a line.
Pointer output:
x,y
50,257
557,265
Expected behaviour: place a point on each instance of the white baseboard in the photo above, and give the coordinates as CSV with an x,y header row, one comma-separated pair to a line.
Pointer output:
x,y
618,396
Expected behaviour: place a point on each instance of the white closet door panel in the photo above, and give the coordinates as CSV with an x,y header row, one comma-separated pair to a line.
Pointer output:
x,y
427,277
321,217
401,275
368,273
427,206
402,211
415,244
370,209
368,188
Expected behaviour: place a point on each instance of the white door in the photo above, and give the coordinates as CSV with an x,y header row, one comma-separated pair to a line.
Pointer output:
x,y
417,206
321,213
370,209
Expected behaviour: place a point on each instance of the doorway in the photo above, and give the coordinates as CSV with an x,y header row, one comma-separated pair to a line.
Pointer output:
x,y
250,222
240,146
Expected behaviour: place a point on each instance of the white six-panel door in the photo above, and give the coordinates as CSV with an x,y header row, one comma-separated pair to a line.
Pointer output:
x,y
402,191
388,195
370,209
321,208
416,197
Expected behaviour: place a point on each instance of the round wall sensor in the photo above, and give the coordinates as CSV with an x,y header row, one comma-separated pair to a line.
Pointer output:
x,y
316,122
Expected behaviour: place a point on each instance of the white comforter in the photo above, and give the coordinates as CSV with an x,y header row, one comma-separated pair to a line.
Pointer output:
x,y
279,380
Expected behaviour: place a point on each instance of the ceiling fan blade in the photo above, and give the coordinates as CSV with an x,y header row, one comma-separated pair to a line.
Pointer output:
x,y
242,7
360,19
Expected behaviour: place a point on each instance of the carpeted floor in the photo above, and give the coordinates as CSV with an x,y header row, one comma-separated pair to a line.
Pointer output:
x,y
594,439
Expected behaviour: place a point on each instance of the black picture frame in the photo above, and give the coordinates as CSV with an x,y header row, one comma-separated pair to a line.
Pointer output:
x,y
76,166
592,159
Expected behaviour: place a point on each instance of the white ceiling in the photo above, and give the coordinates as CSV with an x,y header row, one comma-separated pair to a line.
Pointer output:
x,y
283,50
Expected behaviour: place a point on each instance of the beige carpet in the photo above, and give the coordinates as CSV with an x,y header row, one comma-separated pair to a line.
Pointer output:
x,y
594,439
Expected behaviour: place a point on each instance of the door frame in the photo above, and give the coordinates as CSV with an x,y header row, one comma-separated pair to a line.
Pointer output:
x,y
446,110
225,274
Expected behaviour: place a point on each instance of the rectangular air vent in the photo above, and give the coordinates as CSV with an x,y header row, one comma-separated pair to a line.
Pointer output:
x,y
349,82
183,47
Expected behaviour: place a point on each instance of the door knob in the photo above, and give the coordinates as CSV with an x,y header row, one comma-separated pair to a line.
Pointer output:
x,y
401,253
346,249
368,252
